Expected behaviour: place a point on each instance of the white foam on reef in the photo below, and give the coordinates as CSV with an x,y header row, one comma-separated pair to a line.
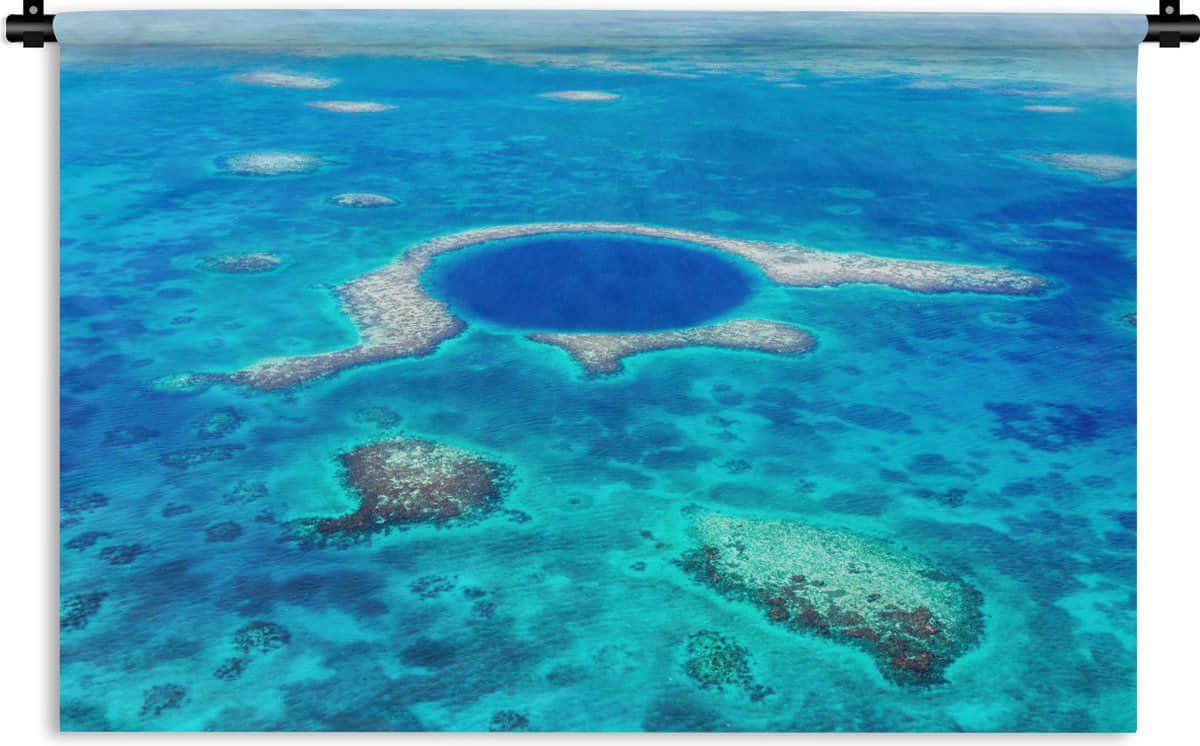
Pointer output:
x,y
1097,165
1050,109
283,80
361,199
351,107
272,163
580,96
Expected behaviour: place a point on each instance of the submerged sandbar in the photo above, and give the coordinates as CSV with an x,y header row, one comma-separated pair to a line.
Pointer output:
x,y
397,318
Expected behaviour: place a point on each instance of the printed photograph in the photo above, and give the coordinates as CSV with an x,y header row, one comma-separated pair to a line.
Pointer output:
x,y
564,371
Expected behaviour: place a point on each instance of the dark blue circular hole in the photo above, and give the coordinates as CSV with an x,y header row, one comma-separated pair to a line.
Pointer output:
x,y
590,282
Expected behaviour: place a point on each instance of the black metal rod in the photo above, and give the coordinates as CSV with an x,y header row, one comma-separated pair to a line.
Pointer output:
x,y
1168,28
1173,30
32,30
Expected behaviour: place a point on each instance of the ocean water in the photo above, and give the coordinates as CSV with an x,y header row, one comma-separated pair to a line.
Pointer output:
x,y
591,283
993,436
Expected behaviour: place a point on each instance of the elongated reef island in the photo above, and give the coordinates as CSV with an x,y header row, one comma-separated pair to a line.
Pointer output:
x,y
397,318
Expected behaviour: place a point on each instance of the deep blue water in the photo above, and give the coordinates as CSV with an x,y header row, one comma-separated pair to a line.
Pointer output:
x,y
591,283
993,435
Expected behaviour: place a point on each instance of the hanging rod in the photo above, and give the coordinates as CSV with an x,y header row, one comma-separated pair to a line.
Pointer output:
x,y
33,28
1168,28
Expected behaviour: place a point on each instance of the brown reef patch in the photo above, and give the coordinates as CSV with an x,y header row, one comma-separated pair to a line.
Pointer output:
x,y
406,481
911,617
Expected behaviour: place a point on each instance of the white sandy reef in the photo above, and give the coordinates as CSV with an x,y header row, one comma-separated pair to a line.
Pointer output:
x,y
397,318
351,107
580,96
361,199
284,80
1099,166
271,163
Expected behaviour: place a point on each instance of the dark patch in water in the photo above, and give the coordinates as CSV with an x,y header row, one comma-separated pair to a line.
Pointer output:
x,y
590,282
427,653
869,503
1046,426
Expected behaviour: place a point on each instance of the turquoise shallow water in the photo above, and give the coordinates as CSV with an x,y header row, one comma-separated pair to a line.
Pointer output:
x,y
994,436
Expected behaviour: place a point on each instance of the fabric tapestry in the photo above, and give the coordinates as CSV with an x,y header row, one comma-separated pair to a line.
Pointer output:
x,y
564,371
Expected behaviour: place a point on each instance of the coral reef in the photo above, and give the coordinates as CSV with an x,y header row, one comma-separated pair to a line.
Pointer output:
x,y
80,502
79,609
736,465
1047,426
189,457
432,586
242,263
1049,108
271,163
86,540
244,493
284,80
231,668
397,318
361,199
912,618
162,697
580,95
381,417
350,107
219,423
185,383
604,352
261,637
407,481
123,554
223,531
507,721
128,436
170,510
715,661
1097,165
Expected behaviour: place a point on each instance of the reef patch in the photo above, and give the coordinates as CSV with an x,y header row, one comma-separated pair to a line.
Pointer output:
x,y
219,423
580,95
361,200
600,353
162,697
1099,166
715,661
79,609
242,263
351,107
397,318
911,617
405,482
271,163
272,79
261,638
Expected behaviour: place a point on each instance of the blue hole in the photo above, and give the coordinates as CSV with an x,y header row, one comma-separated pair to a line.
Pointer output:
x,y
590,282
